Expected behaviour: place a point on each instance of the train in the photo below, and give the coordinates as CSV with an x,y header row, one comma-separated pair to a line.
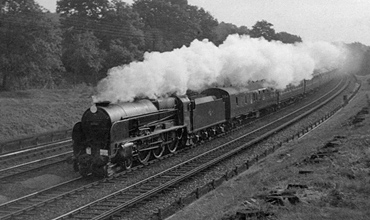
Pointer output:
x,y
113,136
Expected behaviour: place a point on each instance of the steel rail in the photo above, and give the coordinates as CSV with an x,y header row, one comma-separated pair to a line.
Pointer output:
x,y
33,141
115,203
23,212
22,204
37,199
35,149
14,158
33,165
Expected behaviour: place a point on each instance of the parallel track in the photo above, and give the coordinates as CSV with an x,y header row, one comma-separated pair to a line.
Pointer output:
x,y
149,186
33,159
33,165
41,151
118,203
18,206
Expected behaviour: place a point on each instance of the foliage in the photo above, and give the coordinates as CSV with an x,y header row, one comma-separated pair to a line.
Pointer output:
x,y
88,37
82,57
158,15
118,54
225,29
29,46
86,8
287,38
263,29
206,22
172,24
111,25
126,26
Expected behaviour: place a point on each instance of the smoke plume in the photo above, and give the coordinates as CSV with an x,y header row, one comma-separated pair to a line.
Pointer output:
x,y
237,61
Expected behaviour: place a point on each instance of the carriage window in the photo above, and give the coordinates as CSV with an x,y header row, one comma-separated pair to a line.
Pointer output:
x,y
236,100
246,99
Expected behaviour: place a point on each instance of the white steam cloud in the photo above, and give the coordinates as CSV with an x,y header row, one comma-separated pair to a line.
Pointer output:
x,y
237,61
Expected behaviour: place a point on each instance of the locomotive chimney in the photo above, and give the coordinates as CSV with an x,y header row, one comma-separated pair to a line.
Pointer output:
x,y
103,103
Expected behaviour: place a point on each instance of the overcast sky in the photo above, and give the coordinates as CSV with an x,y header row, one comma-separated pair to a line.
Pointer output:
x,y
328,20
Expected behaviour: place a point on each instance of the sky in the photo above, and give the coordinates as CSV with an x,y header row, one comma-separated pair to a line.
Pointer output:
x,y
313,20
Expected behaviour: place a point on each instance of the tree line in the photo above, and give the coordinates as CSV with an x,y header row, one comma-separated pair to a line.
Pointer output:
x,y
85,38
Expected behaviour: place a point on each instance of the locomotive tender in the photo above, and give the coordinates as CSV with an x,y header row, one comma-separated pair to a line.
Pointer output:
x,y
113,136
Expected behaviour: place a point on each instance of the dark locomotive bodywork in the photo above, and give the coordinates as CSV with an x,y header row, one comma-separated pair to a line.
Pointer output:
x,y
206,112
118,132
112,136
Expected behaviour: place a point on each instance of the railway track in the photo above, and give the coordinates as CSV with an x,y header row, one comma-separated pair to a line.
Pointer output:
x,y
140,191
33,165
29,154
28,160
34,158
36,199
33,141
119,203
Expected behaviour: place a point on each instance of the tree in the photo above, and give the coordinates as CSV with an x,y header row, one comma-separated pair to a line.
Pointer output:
x,y
170,20
121,27
181,3
225,29
83,8
114,24
263,29
83,58
173,23
206,23
118,54
29,46
288,38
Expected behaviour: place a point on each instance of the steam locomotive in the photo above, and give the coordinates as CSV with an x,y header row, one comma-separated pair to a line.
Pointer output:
x,y
111,136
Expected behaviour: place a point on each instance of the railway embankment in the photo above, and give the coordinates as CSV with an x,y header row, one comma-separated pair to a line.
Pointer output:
x,y
322,175
31,112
